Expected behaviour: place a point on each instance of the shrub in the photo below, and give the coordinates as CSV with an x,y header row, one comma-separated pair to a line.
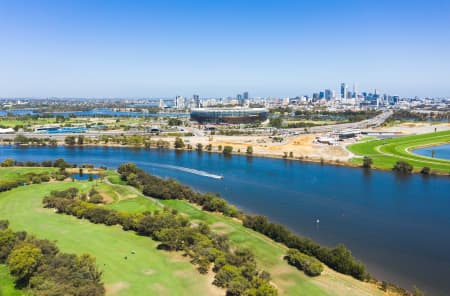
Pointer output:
x,y
425,171
310,265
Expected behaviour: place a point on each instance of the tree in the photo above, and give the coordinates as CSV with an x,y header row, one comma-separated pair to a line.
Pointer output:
x,y
9,162
23,261
425,171
384,286
403,167
227,150
61,163
276,122
367,162
80,140
199,147
174,122
21,139
249,150
70,140
179,143
7,241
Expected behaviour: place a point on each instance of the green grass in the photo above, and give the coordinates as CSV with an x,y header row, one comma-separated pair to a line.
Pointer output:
x,y
135,205
385,153
114,178
148,272
7,287
14,173
270,255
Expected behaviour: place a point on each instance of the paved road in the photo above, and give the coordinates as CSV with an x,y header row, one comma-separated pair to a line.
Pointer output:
x,y
372,122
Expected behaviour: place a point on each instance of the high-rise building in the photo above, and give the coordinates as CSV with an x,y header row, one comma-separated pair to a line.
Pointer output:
x,y
179,102
328,94
196,99
245,95
355,91
321,95
343,90
240,99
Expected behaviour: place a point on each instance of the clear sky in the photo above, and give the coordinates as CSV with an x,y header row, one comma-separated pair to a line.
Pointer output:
x,y
222,47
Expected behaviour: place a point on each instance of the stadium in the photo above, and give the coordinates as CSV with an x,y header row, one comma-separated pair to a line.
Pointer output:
x,y
229,115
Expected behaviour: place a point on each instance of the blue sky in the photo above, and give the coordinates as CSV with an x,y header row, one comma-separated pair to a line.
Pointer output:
x,y
219,48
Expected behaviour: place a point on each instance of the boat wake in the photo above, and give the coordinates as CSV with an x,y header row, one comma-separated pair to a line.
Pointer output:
x,y
187,170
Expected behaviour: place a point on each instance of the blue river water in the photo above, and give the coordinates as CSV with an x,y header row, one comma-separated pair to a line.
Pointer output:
x,y
441,151
399,226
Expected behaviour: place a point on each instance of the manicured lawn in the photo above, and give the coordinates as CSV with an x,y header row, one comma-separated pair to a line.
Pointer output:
x,y
148,272
9,174
385,153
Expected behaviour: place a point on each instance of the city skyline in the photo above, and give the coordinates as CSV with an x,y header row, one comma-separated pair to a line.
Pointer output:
x,y
270,48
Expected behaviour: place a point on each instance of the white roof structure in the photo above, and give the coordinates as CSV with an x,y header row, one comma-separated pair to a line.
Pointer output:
x,y
6,131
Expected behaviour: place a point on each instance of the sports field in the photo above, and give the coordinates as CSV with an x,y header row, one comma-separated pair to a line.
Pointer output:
x,y
385,153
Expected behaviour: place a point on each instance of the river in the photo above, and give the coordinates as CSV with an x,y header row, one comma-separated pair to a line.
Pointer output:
x,y
399,226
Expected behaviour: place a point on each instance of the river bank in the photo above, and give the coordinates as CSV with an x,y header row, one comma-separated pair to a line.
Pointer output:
x,y
354,161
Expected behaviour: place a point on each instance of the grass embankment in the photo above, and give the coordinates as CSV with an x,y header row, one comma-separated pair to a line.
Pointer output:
x,y
148,272
269,254
385,153
14,173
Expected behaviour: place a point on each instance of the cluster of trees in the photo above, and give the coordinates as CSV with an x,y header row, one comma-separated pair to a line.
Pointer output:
x,y
310,265
276,122
302,124
347,115
339,258
235,269
23,140
402,167
171,189
174,122
407,115
129,140
8,185
74,140
39,266
58,163
234,132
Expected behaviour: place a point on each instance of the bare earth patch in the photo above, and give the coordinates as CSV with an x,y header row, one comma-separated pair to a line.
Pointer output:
x,y
115,288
